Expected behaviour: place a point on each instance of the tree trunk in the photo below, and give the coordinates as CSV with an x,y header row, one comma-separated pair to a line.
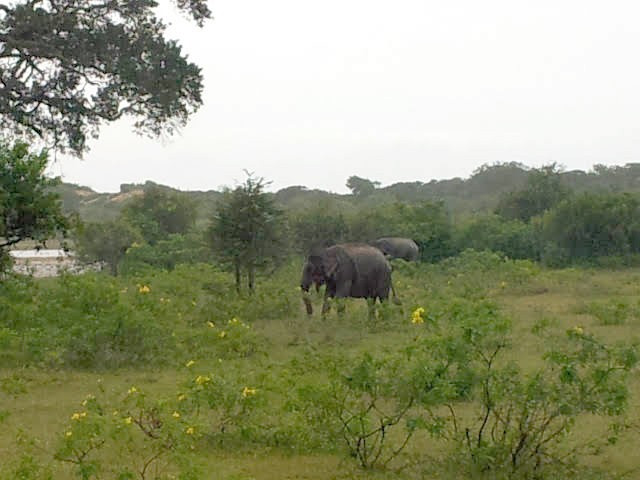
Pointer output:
x,y
252,278
236,264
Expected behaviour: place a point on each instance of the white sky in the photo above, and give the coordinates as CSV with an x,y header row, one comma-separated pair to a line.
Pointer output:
x,y
309,93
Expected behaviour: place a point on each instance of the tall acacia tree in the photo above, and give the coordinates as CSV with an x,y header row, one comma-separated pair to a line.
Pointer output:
x,y
68,66
248,230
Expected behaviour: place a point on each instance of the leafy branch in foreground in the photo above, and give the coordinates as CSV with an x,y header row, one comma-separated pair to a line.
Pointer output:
x,y
68,66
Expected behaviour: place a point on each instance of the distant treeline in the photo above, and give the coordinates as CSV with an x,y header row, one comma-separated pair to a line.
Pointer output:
x,y
547,215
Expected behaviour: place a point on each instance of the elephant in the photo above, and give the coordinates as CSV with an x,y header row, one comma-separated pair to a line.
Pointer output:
x,y
398,247
355,270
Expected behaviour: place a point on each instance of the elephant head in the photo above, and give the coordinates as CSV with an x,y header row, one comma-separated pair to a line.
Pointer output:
x,y
319,269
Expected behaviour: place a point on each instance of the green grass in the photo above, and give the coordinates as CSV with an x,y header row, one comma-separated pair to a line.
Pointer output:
x,y
37,398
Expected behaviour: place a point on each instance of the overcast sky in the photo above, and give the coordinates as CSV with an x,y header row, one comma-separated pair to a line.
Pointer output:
x,y
309,93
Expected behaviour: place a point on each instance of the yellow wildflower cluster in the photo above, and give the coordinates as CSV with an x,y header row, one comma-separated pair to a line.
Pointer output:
x,y
578,330
222,334
144,289
175,415
235,321
68,433
190,363
202,379
182,397
78,415
211,324
417,316
88,399
132,390
248,392
128,420
190,430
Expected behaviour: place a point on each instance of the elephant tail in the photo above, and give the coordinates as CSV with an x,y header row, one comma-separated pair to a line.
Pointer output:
x,y
394,297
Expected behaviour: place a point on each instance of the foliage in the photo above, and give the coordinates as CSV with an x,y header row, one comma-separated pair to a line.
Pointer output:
x,y
592,225
166,254
247,230
543,190
318,226
512,238
362,405
523,419
80,321
106,242
66,68
158,213
28,207
361,187
150,435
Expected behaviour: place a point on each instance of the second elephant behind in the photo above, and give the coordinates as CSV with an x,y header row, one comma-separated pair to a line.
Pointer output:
x,y
398,247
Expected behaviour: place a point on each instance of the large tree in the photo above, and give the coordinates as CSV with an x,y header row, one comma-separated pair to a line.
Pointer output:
x,y
68,66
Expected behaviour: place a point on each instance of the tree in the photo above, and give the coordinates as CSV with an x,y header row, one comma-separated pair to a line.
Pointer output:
x,y
68,66
159,212
247,230
361,187
590,225
106,242
319,226
29,209
543,190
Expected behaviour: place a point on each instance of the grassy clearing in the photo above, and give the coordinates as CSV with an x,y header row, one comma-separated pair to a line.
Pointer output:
x,y
280,351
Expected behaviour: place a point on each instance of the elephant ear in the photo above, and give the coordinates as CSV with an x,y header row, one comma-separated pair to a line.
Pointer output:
x,y
330,262
337,259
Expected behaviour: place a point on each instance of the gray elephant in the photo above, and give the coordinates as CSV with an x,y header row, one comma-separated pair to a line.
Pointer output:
x,y
355,270
398,247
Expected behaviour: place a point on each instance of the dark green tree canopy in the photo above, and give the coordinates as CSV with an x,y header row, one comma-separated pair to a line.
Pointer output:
x,y
361,186
160,212
543,190
248,230
29,209
68,66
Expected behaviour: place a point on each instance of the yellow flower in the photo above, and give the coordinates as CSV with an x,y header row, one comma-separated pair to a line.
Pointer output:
x,y
416,316
68,434
128,420
175,415
181,397
78,415
190,431
222,334
132,390
503,284
144,289
201,379
248,392
234,320
190,363
578,330
88,399
211,324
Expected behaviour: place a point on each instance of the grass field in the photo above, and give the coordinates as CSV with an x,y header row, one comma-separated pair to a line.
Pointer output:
x,y
277,349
